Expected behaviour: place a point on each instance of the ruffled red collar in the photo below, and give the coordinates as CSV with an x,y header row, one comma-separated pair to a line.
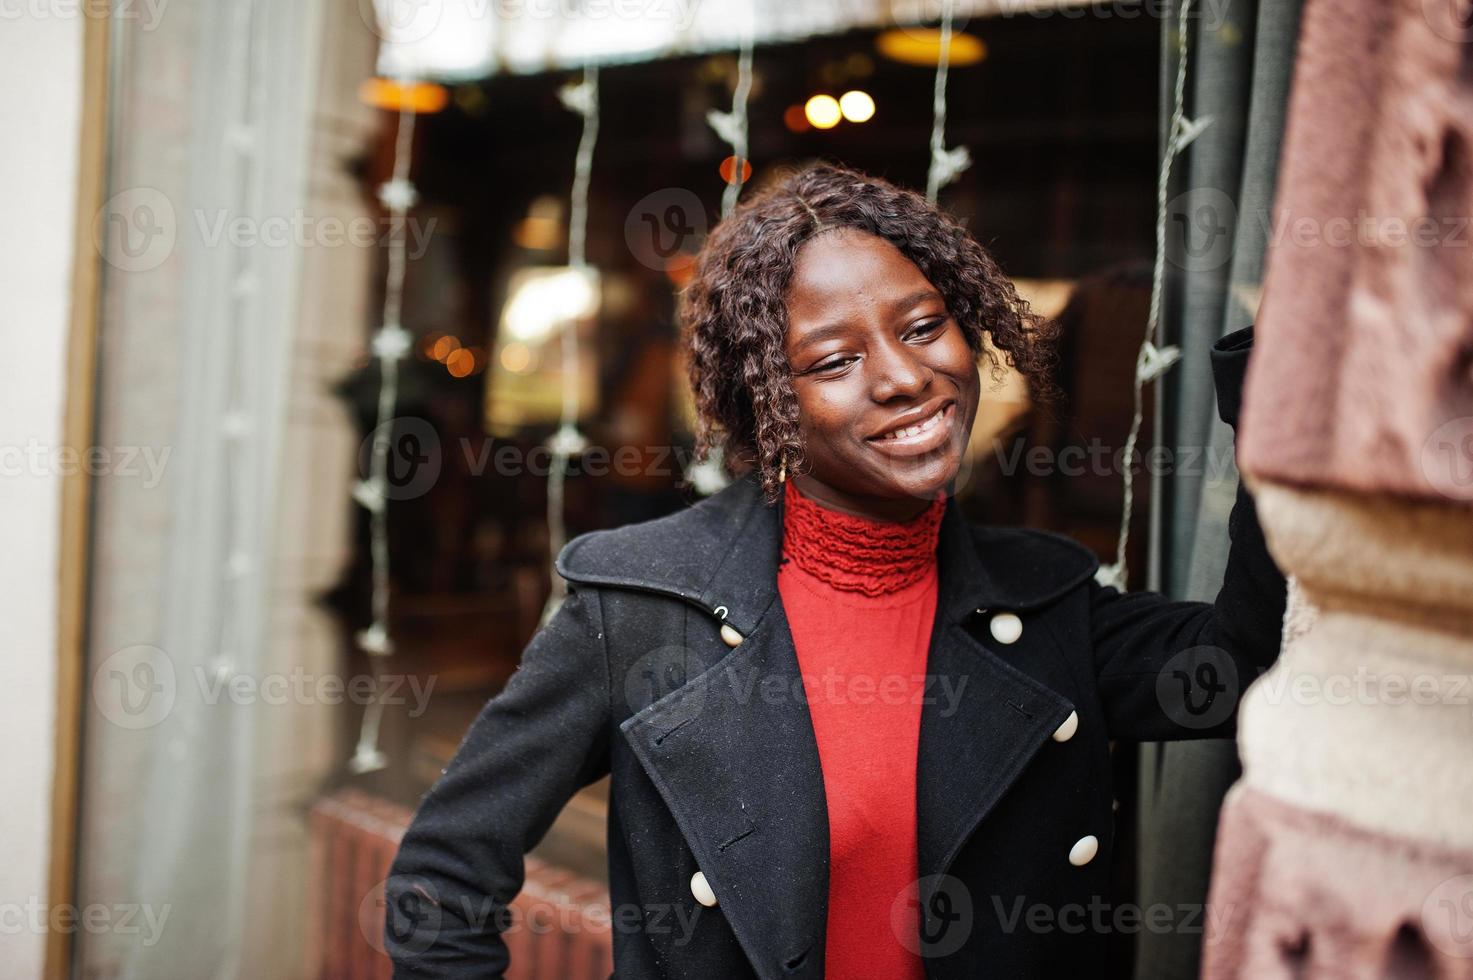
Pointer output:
x,y
858,554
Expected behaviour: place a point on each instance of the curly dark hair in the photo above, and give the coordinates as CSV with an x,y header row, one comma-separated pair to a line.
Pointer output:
x,y
733,312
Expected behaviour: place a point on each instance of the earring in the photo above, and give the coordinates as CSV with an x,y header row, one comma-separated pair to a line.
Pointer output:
x,y
782,471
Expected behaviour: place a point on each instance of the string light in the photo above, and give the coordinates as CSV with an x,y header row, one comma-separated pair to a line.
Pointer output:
x,y
732,126
708,476
389,345
1155,359
237,426
946,165
567,440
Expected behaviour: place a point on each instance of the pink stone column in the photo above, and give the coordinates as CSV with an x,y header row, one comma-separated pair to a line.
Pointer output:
x,y
1346,849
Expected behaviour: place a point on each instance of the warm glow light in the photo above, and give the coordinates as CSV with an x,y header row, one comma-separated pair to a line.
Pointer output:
x,y
922,46
795,120
822,111
544,299
444,347
538,233
516,357
420,97
728,170
461,363
680,268
857,106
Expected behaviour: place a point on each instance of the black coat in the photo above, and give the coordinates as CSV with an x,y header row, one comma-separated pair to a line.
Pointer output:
x,y
715,767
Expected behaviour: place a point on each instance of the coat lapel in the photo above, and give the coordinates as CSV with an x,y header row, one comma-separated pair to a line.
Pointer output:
x,y
977,741
733,754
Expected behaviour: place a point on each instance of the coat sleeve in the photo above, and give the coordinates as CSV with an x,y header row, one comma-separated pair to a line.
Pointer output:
x,y
460,863
1169,669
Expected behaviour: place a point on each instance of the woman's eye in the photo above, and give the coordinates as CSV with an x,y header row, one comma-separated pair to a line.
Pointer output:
x,y
929,327
837,362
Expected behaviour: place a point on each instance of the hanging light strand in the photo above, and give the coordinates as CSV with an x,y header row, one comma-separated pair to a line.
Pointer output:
x,y
709,475
389,345
946,165
739,146
237,424
732,126
581,98
1155,358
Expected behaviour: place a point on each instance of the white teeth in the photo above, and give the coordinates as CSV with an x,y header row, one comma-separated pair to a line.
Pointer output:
x,y
918,428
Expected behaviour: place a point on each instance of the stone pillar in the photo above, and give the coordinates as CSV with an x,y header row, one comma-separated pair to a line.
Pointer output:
x,y
1346,850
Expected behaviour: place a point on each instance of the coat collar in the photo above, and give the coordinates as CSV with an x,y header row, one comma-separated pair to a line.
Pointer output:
x,y
722,554
739,769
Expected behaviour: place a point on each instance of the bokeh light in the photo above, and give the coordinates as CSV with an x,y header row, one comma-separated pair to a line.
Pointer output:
x,y
857,106
729,170
823,111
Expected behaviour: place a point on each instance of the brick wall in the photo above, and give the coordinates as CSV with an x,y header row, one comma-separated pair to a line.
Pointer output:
x,y
560,927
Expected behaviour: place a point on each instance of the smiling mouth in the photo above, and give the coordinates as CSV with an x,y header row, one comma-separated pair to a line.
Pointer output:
x,y
927,434
912,431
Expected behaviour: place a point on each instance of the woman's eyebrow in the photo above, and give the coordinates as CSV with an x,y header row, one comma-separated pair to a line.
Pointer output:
x,y
819,334
911,299
838,327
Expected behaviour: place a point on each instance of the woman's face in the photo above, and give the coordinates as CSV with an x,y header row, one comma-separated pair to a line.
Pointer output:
x,y
887,386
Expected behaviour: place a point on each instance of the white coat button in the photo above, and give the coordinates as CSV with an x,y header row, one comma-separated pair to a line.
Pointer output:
x,y
730,636
1066,731
701,889
1006,627
1084,851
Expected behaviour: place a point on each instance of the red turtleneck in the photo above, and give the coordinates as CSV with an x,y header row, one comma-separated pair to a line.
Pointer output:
x,y
860,596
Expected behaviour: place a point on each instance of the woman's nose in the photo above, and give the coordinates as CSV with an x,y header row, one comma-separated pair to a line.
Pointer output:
x,y
898,373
